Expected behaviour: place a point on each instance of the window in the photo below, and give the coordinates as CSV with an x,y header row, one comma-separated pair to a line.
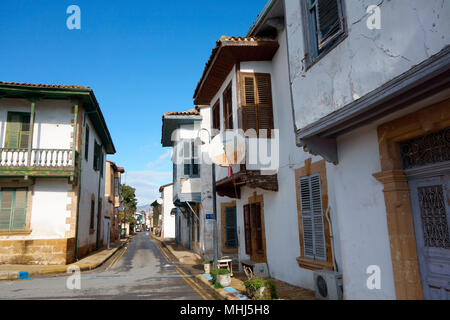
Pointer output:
x,y
257,109
191,161
13,208
17,130
92,213
324,26
216,117
86,144
116,187
228,108
230,228
314,244
98,157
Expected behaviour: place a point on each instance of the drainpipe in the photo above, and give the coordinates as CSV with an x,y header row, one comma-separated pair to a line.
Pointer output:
x,y
30,139
99,214
79,184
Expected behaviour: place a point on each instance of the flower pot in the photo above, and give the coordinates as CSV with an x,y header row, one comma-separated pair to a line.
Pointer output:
x,y
224,280
207,268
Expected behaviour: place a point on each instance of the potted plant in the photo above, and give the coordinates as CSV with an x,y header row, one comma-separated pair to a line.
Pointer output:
x,y
260,289
224,277
207,266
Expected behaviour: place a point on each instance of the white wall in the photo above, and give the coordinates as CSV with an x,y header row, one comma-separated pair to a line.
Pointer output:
x,y
412,31
89,186
168,219
52,127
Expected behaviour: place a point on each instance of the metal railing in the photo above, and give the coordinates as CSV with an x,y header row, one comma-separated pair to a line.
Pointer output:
x,y
45,158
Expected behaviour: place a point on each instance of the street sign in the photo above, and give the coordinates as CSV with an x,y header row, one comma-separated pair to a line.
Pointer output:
x,y
210,217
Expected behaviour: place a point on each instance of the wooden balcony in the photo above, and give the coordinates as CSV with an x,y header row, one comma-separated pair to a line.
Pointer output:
x,y
40,163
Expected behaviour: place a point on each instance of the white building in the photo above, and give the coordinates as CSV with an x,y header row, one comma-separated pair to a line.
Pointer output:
x,y
180,130
370,109
167,212
52,166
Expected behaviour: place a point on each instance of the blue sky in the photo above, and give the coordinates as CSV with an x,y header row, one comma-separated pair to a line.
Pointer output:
x,y
142,58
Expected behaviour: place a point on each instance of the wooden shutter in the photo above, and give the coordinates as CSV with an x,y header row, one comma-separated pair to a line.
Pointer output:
x,y
231,228
329,19
19,211
228,108
13,209
265,110
25,131
256,214
248,230
257,108
6,204
13,129
216,116
312,218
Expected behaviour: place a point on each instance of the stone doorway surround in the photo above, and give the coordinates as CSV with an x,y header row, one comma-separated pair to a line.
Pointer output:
x,y
400,221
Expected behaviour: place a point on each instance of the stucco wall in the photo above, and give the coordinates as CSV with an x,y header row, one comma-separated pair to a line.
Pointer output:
x,y
358,199
89,186
168,219
411,31
52,127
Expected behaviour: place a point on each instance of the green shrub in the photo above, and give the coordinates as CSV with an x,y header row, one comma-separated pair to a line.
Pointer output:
x,y
257,283
217,285
207,262
215,272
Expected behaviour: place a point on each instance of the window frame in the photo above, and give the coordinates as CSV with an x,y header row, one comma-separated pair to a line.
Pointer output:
x,y
86,143
22,115
26,223
193,161
215,116
313,52
314,169
257,103
228,116
225,248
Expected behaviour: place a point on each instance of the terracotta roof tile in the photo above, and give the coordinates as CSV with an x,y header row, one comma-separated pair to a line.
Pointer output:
x,y
190,112
62,86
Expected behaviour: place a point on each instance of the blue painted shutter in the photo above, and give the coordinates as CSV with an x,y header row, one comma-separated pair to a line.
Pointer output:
x,y
231,228
312,218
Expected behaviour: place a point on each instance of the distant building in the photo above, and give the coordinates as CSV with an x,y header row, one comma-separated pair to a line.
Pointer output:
x,y
114,198
167,212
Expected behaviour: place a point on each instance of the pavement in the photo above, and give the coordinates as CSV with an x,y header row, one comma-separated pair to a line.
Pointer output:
x,y
193,262
141,270
94,260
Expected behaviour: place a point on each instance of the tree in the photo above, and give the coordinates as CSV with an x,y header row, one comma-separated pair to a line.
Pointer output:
x,y
156,212
129,204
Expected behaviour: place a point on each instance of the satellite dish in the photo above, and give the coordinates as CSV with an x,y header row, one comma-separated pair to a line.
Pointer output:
x,y
227,149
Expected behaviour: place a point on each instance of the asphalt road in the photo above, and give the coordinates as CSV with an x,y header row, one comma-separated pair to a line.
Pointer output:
x,y
138,271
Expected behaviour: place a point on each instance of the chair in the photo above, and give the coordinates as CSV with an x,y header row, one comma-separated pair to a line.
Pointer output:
x,y
226,262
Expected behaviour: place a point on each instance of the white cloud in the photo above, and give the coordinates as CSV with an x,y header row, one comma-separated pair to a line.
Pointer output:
x,y
147,184
161,159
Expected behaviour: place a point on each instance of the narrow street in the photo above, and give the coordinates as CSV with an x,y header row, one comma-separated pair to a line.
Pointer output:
x,y
138,271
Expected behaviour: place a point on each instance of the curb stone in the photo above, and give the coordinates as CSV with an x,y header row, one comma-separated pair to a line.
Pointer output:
x,y
25,275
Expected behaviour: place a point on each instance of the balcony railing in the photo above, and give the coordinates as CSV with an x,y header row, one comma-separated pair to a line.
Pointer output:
x,y
40,158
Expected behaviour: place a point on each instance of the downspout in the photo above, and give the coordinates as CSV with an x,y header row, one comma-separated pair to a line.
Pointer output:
x,y
79,183
98,199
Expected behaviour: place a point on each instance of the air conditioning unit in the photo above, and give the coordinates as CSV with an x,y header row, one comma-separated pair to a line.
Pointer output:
x,y
328,285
